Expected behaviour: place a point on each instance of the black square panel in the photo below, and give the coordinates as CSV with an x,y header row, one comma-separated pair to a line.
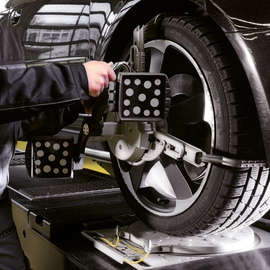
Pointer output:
x,y
142,96
51,157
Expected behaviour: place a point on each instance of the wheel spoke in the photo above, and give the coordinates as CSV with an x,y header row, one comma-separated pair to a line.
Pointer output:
x,y
184,84
140,173
188,111
157,58
178,178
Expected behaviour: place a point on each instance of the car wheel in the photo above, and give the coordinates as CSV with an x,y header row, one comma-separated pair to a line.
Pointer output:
x,y
211,108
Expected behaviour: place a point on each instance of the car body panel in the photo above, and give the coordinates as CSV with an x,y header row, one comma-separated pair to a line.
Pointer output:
x,y
242,15
52,30
59,30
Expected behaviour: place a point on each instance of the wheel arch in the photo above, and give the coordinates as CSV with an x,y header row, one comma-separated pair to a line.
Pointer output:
x,y
254,68
151,8
131,20
250,40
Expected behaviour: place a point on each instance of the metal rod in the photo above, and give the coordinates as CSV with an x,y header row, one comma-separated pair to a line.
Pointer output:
x,y
98,155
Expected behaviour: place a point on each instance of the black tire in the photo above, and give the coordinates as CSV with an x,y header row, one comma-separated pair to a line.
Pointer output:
x,y
205,73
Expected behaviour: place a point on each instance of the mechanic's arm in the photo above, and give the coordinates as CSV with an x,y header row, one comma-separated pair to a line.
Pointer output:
x,y
26,92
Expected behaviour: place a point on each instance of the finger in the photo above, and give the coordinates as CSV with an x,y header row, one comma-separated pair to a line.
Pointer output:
x,y
93,88
111,74
106,83
95,91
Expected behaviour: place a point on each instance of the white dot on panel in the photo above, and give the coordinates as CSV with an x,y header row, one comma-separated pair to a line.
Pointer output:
x,y
142,97
47,169
126,102
156,112
40,153
147,84
136,110
56,171
63,162
38,144
56,146
65,170
157,82
127,81
37,162
65,144
51,158
65,153
146,112
154,102
47,144
38,171
157,92
137,81
126,112
129,92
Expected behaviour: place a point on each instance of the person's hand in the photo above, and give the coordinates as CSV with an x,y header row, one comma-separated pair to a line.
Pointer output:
x,y
99,75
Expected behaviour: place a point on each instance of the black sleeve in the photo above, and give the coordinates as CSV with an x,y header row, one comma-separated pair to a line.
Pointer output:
x,y
49,122
27,92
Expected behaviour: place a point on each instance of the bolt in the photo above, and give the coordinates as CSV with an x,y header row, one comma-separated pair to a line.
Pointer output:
x,y
163,201
85,129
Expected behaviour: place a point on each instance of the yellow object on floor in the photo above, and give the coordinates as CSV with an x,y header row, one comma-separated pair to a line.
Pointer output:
x,y
87,162
92,165
21,145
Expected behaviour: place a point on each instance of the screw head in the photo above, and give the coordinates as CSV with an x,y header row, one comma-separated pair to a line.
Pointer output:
x,y
85,129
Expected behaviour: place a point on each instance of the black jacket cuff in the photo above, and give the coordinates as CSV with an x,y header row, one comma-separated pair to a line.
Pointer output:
x,y
81,80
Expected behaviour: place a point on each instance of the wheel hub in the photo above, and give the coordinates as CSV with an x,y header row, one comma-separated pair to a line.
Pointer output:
x,y
133,142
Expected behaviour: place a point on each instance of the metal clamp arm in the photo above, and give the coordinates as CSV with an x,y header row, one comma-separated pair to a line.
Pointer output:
x,y
230,162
